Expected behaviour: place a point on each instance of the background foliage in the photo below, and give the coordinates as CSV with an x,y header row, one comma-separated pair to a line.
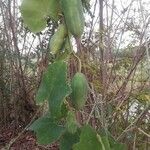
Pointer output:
x,y
115,58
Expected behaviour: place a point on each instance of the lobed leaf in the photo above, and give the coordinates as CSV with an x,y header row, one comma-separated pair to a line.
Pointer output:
x,y
47,131
68,140
88,140
35,13
54,87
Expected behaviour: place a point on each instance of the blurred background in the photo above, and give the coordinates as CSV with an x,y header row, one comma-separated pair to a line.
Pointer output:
x,y
115,57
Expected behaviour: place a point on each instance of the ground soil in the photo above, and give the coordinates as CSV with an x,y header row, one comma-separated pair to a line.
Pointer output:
x,y
26,141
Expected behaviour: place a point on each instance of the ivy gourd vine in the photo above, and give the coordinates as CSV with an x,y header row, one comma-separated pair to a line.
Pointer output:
x,y
64,99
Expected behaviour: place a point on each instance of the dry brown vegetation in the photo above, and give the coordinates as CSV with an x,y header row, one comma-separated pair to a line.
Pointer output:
x,y
118,73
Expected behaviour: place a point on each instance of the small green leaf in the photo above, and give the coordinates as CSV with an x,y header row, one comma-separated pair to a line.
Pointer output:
x,y
47,130
113,144
71,123
68,48
68,139
89,140
35,13
65,52
64,109
54,87
106,142
119,146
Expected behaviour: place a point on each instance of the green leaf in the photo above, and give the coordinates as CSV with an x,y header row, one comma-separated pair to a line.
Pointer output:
x,y
65,51
113,144
35,13
116,145
71,123
54,87
106,142
119,146
64,109
47,130
68,140
89,140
